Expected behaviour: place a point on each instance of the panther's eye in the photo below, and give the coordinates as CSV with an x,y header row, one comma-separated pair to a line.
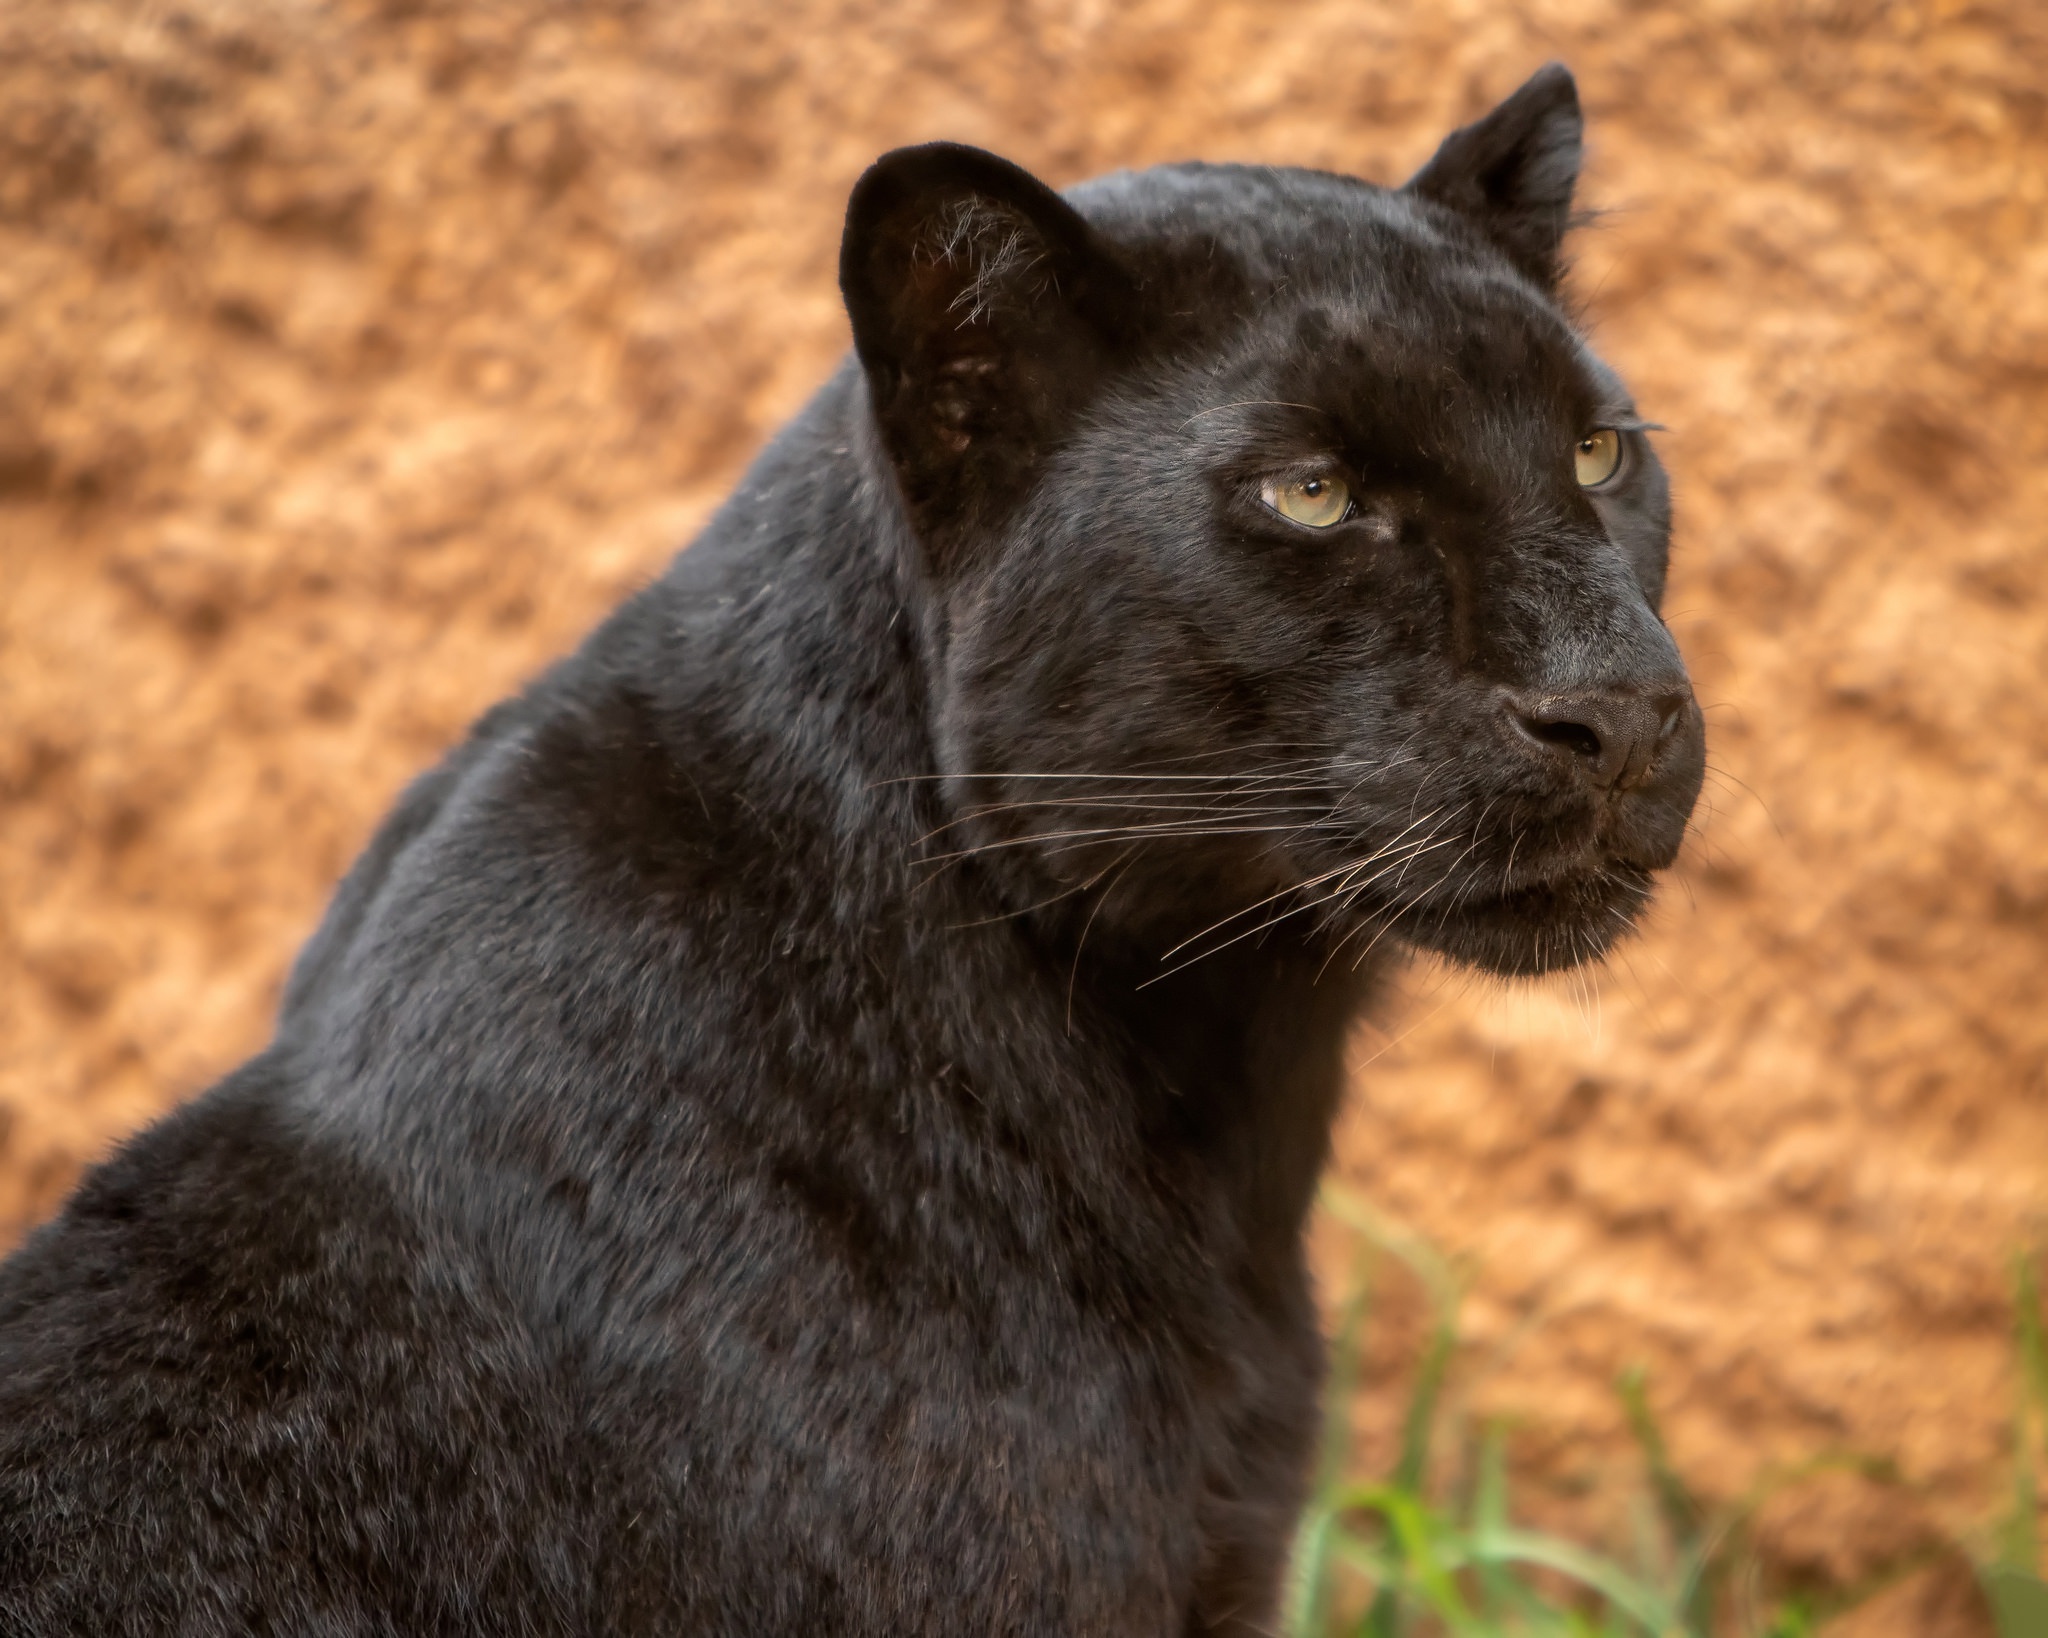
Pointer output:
x,y
1315,503
1597,457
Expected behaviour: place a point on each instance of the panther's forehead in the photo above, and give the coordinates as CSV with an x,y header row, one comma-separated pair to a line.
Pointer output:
x,y
1445,390
1264,263
1273,222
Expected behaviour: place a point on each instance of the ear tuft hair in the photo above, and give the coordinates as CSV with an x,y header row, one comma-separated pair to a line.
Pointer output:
x,y
984,313
1513,172
995,250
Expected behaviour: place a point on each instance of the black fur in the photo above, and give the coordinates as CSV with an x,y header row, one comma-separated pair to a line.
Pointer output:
x,y
803,1123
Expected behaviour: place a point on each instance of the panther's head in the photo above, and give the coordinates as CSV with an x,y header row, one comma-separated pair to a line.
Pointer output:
x,y
1285,550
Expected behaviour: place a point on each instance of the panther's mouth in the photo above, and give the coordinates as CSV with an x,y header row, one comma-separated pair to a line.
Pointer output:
x,y
1546,926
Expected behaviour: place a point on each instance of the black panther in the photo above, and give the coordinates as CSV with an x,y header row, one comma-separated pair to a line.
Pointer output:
x,y
802,1123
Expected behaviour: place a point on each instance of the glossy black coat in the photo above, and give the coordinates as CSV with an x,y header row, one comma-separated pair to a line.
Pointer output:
x,y
802,1123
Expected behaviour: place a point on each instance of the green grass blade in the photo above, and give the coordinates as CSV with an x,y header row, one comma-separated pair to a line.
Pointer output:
x,y
1345,1350
1490,1491
1384,1620
1421,1552
1683,1515
2033,1340
2019,1602
1685,1518
1308,1573
1638,1601
1441,1286
1306,1611
1497,1587
2018,1543
1413,1467
1795,1620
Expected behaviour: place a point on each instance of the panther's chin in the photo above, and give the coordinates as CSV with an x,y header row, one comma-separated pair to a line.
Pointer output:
x,y
1532,930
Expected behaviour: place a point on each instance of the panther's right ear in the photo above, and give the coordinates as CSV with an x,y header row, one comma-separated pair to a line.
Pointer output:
x,y
985,314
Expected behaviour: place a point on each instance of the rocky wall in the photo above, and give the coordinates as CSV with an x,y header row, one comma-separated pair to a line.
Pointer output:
x,y
354,358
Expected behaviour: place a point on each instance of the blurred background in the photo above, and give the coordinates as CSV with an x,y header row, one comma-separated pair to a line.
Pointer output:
x,y
355,357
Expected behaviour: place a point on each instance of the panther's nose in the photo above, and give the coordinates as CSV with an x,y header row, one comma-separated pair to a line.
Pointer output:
x,y
1611,735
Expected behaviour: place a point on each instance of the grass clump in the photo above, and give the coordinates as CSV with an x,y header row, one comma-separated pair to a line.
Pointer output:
x,y
1400,1556
2019,1598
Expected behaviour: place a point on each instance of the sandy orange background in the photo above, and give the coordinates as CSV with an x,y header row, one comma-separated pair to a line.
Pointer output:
x,y
354,358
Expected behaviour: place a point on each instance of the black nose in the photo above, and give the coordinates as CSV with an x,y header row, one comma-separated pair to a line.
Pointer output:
x,y
1611,734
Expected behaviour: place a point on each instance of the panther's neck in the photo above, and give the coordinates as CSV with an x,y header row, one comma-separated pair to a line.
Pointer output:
x,y
1252,1040
1236,1058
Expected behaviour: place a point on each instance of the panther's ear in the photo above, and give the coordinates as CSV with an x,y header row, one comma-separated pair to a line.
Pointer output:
x,y
1513,171
984,313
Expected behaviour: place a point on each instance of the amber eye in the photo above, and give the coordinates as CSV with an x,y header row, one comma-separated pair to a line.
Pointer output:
x,y
1597,456
1315,503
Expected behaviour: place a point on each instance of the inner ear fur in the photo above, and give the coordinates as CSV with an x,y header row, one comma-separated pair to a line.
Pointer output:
x,y
1512,173
984,314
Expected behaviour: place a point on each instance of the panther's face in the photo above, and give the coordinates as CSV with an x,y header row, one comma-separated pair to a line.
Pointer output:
x,y
1290,556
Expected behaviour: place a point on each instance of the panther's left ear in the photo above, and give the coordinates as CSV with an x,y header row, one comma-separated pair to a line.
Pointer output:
x,y
985,314
1513,171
